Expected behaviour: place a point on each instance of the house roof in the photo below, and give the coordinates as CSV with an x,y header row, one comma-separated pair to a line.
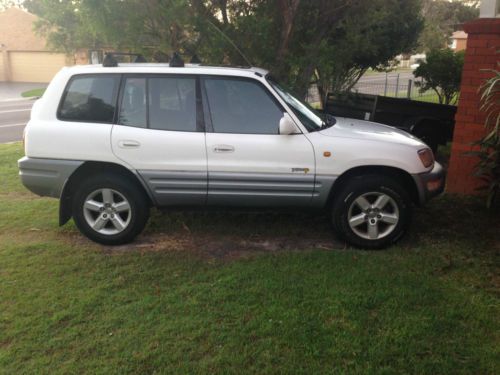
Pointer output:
x,y
459,35
16,31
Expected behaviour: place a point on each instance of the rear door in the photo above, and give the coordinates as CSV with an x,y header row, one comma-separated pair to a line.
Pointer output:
x,y
249,162
159,133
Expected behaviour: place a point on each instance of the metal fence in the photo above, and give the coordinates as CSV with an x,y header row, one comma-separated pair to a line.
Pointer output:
x,y
397,86
392,84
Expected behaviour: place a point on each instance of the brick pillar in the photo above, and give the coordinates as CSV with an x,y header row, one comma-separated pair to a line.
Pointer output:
x,y
481,53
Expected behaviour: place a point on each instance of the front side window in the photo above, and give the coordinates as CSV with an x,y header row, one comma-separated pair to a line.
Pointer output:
x,y
241,106
90,99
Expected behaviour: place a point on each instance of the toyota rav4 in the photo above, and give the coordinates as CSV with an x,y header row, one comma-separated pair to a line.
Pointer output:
x,y
112,142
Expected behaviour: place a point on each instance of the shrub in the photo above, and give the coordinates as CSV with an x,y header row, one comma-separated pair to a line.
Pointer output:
x,y
442,72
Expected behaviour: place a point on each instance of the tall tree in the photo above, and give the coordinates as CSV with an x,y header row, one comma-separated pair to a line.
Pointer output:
x,y
368,36
335,39
442,17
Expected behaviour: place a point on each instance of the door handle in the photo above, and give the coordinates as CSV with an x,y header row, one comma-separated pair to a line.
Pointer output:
x,y
129,144
223,148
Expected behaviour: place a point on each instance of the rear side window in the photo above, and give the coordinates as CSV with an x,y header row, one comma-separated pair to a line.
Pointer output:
x,y
163,103
90,99
172,104
133,107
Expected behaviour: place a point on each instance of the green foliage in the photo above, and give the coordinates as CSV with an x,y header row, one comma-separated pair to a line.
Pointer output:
x,y
336,40
369,36
488,168
441,18
442,72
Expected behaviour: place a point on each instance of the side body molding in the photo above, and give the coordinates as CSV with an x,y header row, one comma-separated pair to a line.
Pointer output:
x,y
189,188
260,189
176,188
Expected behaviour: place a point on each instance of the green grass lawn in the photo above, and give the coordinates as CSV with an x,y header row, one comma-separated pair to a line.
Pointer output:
x,y
245,293
33,93
429,97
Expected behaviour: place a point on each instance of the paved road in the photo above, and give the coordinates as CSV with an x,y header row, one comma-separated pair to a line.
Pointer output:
x,y
379,78
13,118
13,90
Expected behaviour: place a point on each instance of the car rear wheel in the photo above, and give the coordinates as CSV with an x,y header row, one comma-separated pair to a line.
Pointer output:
x,y
110,209
372,212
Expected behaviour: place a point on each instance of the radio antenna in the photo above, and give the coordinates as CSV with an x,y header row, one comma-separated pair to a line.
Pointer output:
x,y
230,41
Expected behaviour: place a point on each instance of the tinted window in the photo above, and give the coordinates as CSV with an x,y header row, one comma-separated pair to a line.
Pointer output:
x,y
172,103
90,99
133,104
240,106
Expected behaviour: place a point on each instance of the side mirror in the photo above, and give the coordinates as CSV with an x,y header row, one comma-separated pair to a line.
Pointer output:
x,y
287,126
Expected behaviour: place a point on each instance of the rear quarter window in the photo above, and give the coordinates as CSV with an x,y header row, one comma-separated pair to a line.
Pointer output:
x,y
90,99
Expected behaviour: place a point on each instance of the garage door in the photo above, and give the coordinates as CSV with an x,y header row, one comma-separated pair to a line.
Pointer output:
x,y
2,76
35,66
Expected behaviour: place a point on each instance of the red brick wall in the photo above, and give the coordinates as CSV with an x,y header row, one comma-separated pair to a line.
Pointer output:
x,y
481,53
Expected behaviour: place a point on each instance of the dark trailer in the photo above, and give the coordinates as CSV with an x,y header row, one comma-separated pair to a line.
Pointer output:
x,y
432,123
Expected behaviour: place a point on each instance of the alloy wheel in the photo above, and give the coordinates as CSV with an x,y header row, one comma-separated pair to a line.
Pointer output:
x,y
107,211
373,215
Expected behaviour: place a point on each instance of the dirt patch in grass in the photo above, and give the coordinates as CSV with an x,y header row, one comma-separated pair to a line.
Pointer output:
x,y
209,246
223,235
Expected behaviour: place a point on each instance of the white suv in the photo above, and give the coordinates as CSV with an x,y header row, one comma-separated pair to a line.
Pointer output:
x,y
111,142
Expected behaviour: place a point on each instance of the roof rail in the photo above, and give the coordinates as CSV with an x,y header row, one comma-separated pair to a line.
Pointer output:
x,y
110,60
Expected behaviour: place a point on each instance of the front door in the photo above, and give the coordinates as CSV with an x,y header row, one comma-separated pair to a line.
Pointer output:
x,y
249,162
160,134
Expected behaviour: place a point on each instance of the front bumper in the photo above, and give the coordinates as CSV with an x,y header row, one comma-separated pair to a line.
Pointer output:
x,y
430,184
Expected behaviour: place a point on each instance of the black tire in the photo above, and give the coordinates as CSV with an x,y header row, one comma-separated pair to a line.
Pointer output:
x,y
122,186
364,186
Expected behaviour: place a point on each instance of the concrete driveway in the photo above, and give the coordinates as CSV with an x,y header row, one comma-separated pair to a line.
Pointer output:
x,y
13,90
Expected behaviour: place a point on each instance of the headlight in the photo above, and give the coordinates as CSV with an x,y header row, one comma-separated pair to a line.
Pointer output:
x,y
426,157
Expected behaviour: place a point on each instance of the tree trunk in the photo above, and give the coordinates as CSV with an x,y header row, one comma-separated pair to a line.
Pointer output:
x,y
223,10
288,10
304,80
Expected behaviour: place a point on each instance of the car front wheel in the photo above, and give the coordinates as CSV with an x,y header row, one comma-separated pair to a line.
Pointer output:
x,y
372,212
110,209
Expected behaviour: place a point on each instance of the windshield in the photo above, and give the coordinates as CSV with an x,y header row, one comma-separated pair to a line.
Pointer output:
x,y
307,116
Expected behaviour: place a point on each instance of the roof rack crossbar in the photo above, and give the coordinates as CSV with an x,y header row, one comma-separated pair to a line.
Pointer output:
x,y
176,61
195,59
110,60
